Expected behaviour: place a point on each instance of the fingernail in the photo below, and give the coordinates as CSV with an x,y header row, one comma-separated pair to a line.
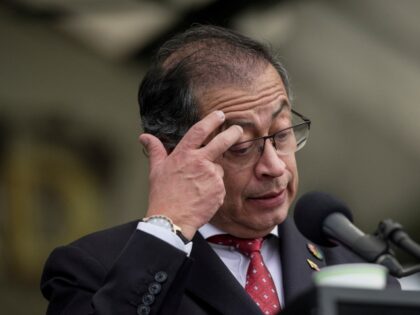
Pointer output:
x,y
220,114
144,141
240,128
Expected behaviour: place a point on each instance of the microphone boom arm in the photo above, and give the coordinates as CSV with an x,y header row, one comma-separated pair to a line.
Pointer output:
x,y
390,230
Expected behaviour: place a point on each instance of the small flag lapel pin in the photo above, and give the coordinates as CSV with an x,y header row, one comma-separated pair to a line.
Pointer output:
x,y
313,265
315,251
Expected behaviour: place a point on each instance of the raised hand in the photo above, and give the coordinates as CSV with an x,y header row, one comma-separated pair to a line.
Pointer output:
x,y
187,185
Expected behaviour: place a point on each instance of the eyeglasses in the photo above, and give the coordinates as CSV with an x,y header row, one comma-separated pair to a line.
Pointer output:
x,y
286,141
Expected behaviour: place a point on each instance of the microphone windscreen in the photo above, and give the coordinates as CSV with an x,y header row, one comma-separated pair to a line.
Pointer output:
x,y
310,212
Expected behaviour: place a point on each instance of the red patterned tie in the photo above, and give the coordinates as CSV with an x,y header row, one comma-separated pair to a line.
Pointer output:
x,y
259,284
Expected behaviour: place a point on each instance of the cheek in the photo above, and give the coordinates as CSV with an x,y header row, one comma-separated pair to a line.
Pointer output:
x,y
235,184
292,167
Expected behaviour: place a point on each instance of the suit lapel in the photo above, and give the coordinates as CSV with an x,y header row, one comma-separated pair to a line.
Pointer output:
x,y
212,282
296,271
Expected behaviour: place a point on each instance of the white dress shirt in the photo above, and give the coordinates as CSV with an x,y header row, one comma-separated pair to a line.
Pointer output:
x,y
238,263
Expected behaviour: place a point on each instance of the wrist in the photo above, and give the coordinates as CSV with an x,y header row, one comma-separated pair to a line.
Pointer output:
x,y
167,223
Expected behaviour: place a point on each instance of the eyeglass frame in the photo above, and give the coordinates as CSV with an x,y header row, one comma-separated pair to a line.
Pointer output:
x,y
306,121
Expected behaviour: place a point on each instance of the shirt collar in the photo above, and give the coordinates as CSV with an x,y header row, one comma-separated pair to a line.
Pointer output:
x,y
209,230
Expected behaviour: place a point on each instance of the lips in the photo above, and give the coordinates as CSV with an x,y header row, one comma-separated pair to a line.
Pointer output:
x,y
268,195
269,200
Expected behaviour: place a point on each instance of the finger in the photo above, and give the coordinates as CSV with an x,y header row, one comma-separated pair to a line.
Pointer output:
x,y
223,141
154,148
219,170
199,132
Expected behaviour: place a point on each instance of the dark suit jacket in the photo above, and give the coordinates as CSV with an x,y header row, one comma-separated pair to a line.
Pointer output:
x,y
126,271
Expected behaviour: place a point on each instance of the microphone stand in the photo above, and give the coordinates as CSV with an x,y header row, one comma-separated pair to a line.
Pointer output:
x,y
391,231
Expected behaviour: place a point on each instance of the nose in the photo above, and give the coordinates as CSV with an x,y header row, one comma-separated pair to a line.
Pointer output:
x,y
270,164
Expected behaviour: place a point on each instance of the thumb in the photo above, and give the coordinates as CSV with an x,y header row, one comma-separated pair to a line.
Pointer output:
x,y
154,148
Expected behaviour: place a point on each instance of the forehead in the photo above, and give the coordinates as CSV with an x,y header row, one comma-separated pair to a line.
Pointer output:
x,y
254,104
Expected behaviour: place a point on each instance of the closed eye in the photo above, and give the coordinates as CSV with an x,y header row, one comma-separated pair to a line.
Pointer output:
x,y
283,135
241,148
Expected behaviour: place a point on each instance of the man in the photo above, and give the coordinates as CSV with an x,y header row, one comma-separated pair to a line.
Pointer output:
x,y
221,138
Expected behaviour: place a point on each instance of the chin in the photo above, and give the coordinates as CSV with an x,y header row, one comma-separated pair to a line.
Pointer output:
x,y
278,217
268,221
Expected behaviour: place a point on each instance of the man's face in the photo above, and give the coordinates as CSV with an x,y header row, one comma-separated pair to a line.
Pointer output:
x,y
257,196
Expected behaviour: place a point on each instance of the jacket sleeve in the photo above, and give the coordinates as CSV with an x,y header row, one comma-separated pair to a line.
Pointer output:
x,y
148,277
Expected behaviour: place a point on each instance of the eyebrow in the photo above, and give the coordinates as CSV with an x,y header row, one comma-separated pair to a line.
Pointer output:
x,y
247,123
283,104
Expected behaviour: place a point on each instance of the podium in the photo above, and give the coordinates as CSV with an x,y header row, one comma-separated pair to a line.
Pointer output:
x,y
349,301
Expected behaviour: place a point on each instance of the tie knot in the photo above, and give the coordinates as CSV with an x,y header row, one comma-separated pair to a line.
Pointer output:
x,y
246,246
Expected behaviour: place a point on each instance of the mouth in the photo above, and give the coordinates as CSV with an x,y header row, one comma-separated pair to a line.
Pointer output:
x,y
269,200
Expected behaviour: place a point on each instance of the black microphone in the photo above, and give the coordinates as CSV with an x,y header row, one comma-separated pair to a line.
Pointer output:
x,y
327,221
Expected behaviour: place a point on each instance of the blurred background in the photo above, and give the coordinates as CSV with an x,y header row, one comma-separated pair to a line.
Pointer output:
x,y
70,162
